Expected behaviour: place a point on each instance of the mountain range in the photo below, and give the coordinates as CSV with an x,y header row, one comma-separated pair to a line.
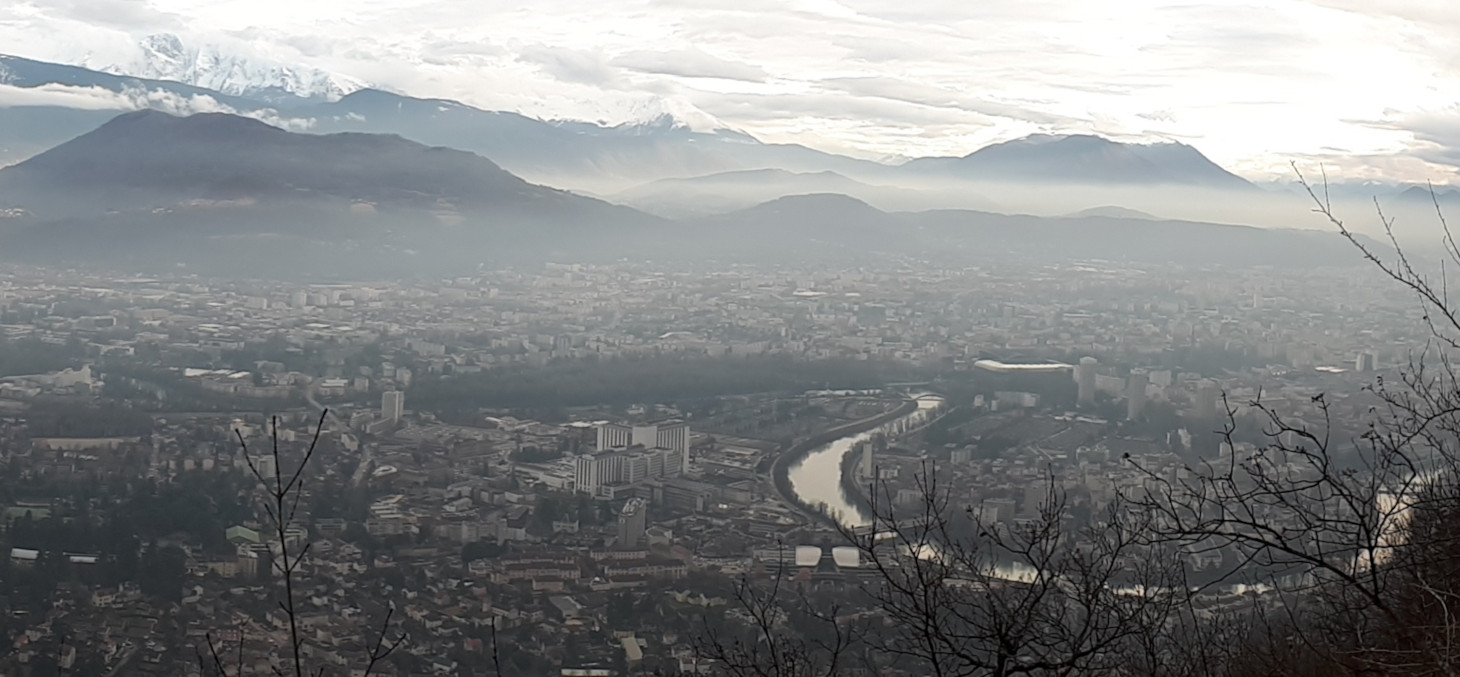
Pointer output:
x,y
675,142
228,194
194,155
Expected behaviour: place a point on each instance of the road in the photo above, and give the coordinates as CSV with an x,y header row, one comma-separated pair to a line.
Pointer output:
x,y
123,662
310,393
367,457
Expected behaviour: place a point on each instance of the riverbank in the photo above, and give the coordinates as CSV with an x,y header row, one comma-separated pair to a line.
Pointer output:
x,y
856,493
781,469
857,490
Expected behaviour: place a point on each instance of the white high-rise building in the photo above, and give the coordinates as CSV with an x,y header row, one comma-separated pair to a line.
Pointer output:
x,y
593,471
614,436
671,435
664,435
393,405
1135,393
1085,380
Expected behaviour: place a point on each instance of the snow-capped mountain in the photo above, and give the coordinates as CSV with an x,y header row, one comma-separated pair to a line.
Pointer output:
x,y
166,57
675,113
656,115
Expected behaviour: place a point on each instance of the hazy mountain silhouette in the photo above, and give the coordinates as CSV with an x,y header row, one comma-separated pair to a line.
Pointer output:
x,y
609,159
836,225
149,181
148,159
729,191
816,214
1428,196
597,157
565,153
233,195
1113,211
1083,159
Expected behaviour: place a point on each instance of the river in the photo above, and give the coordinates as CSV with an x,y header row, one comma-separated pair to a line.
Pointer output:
x,y
817,478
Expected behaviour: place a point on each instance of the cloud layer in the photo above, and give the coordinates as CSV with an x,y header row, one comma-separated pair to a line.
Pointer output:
x,y
98,98
1253,84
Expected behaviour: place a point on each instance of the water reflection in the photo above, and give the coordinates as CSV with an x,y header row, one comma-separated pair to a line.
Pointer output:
x,y
817,478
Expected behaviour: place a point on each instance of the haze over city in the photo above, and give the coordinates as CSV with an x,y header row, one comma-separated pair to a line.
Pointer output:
x,y
811,339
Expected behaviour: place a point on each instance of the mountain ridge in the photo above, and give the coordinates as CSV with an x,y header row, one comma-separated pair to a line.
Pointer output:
x,y
849,227
150,187
729,191
594,157
235,195
1086,159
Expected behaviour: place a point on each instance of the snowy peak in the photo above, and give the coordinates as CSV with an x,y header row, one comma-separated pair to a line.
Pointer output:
x,y
660,115
165,56
680,114
674,114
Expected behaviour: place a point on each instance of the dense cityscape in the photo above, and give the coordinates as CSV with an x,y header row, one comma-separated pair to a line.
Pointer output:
x,y
583,458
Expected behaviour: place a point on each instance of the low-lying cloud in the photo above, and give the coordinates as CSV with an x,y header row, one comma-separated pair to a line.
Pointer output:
x,y
64,96
131,99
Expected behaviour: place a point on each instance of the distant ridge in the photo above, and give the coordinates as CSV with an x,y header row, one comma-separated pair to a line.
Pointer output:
x,y
846,228
234,196
1085,159
829,207
673,142
147,184
728,191
1427,195
1113,212
149,159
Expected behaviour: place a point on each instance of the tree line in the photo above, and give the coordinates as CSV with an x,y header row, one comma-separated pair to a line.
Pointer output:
x,y
657,379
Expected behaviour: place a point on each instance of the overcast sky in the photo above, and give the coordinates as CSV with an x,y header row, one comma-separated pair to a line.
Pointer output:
x,y
1371,87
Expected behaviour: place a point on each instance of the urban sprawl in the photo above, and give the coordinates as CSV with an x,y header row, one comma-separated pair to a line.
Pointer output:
x,y
566,469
